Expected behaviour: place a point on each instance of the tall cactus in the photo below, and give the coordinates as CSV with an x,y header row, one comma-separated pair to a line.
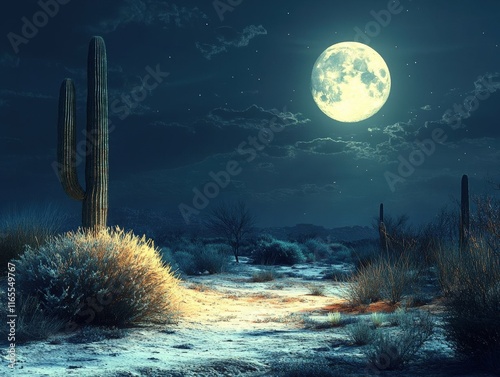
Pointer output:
x,y
464,214
95,195
382,231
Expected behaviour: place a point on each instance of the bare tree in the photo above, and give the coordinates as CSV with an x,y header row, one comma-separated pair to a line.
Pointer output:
x,y
232,221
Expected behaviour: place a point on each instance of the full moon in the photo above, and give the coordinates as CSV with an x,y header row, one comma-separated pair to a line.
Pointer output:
x,y
350,82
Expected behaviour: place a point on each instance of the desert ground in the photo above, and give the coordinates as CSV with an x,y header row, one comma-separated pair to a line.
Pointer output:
x,y
232,326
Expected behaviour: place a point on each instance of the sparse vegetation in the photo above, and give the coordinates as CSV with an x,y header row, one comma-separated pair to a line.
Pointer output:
x,y
335,318
270,251
473,323
378,318
305,368
318,249
360,333
233,222
118,271
196,257
32,322
365,287
387,278
393,350
316,289
400,316
27,227
263,276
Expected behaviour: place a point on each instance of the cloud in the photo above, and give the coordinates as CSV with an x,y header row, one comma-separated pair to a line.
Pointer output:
x,y
254,117
229,39
12,93
426,108
322,146
483,87
149,12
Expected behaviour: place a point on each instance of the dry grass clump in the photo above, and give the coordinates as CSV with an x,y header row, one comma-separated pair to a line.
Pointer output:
x,y
387,278
360,333
263,276
27,227
107,277
32,322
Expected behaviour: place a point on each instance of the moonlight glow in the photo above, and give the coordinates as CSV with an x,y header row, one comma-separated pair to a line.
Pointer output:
x,y
350,82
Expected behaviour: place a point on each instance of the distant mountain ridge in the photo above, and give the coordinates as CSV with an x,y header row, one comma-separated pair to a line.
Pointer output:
x,y
305,231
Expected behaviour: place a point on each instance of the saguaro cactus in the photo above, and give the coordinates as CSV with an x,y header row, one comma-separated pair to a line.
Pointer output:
x,y
95,195
382,231
464,214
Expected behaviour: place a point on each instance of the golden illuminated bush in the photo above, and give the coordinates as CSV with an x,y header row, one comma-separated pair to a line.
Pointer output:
x,y
104,278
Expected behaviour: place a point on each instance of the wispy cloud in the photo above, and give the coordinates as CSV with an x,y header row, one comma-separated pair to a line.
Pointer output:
x,y
254,117
149,12
12,93
224,43
322,146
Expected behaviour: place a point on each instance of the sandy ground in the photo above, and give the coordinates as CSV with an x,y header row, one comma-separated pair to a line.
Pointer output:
x,y
231,327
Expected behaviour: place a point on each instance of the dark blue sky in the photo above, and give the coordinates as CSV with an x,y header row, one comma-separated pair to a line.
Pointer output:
x,y
223,77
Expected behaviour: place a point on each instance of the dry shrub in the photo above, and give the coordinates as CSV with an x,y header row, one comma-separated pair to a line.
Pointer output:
x,y
388,278
473,289
393,350
100,278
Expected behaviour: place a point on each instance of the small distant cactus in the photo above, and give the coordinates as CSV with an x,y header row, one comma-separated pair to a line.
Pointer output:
x,y
95,195
464,214
382,230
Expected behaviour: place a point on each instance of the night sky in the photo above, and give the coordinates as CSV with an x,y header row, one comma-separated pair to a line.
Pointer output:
x,y
219,74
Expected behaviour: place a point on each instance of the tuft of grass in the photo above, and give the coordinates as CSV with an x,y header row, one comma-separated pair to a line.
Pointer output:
x,y
337,275
263,276
360,333
378,318
335,318
387,278
32,322
316,290
365,287
106,277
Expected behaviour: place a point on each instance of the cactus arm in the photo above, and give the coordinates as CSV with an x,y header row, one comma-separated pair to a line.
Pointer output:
x,y
95,204
66,141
